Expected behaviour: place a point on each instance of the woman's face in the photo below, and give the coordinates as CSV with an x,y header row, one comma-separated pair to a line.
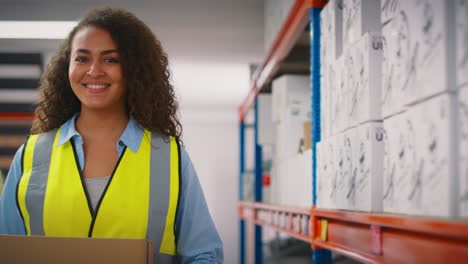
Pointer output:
x,y
95,71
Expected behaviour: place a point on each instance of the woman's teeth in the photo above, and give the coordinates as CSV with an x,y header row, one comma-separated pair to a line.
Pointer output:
x,y
96,86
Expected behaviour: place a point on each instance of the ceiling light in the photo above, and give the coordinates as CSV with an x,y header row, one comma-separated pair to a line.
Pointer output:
x,y
35,29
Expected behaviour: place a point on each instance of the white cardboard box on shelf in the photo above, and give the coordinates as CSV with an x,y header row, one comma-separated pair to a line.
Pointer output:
x,y
401,189
331,29
463,151
346,192
292,107
295,180
363,74
418,49
461,40
326,174
289,91
366,179
266,128
359,17
396,73
435,127
322,176
325,104
338,96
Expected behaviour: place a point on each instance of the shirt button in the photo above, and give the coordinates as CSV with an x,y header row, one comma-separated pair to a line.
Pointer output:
x,y
121,143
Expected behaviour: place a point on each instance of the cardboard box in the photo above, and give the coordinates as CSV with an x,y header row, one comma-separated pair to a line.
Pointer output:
x,y
291,93
331,30
363,71
435,127
359,17
50,250
419,47
295,180
291,108
463,152
366,179
396,73
266,128
401,190
307,137
346,192
325,174
338,97
461,7
327,85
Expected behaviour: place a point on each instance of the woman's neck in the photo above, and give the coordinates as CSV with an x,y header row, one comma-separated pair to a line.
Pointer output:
x,y
101,125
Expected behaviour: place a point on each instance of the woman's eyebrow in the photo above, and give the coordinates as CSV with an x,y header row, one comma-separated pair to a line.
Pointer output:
x,y
102,52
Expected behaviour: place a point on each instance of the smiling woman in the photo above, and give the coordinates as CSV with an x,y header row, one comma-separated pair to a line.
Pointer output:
x,y
95,72
105,158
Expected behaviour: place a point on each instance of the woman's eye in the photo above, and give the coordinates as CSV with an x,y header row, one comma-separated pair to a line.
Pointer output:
x,y
111,60
81,59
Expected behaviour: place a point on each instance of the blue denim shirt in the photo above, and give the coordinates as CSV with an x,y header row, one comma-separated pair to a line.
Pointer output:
x,y
196,236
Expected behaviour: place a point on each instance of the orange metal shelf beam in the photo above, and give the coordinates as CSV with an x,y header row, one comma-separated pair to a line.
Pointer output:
x,y
288,35
399,239
17,116
249,211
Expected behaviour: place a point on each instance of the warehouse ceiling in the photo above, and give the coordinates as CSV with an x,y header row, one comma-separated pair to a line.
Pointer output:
x,y
216,30
210,42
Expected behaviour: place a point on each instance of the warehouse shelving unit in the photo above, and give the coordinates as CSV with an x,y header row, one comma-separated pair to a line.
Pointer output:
x,y
366,237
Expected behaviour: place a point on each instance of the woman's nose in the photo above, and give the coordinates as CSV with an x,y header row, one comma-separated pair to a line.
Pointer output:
x,y
95,70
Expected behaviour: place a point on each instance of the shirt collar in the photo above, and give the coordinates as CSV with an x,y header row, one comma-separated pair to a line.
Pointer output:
x,y
131,137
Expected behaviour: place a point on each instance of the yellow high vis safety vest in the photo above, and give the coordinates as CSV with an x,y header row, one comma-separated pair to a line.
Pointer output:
x,y
140,200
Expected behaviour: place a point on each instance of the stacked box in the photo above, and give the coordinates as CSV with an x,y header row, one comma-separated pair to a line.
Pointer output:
x,y
296,180
435,128
359,17
346,188
417,50
461,40
327,84
266,128
330,49
338,97
331,30
291,108
420,174
363,74
366,178
326,174
402,191
463,152
323,176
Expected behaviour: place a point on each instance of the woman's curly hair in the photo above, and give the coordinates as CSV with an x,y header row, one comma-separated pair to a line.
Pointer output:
x,y
150,95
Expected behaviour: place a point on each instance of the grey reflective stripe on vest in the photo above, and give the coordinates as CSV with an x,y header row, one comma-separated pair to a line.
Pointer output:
x,y
160,172
35,195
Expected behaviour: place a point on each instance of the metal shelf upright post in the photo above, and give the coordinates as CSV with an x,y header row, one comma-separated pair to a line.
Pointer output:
x,y
241,189
258,195
319,255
